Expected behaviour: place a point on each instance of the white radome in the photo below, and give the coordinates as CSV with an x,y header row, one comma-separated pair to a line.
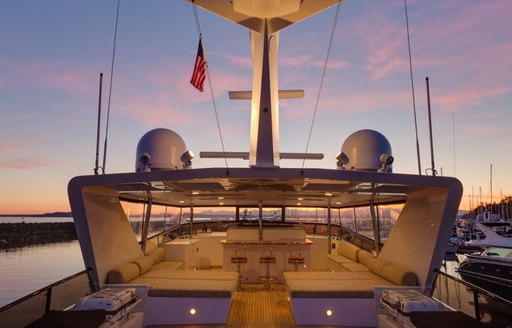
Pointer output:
x,y
366,150
159,149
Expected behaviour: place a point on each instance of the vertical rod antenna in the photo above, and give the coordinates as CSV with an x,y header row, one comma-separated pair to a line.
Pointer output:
x,y
434,172
98,128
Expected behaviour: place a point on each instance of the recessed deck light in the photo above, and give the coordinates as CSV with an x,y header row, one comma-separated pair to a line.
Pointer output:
x,y
192,311
328,312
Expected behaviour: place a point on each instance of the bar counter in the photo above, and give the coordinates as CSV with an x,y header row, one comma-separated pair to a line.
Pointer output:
x,y
282,242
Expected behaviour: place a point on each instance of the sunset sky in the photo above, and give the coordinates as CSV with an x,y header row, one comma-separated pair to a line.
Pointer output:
x,y
52,53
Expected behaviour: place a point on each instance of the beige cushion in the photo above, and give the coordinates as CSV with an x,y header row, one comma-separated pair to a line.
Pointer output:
x,y
336,258
145,263
166,287
354,267
334,288
348,250
168,265
190,274
328,275
151,245
376,265
123,274
158,255
364,257
399,275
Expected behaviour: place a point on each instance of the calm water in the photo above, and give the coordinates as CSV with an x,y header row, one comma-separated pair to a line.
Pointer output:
x,y
28,269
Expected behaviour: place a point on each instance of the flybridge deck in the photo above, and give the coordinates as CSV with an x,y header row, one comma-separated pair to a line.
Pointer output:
x,y
417,241
424,224
410,258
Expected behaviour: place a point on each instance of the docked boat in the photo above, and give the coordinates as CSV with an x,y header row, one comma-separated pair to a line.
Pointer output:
x,y
485,236
324,254
492,270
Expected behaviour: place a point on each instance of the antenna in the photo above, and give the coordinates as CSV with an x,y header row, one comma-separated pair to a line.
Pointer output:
x,y
434,172
98,128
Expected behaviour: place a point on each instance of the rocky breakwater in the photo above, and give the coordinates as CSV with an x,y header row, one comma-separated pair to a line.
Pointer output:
x,y
16,235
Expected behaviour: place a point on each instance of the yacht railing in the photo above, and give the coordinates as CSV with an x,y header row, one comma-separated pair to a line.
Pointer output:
x,y
57,296
472,300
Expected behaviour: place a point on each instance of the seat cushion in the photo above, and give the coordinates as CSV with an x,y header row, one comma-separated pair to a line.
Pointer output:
x,y
145,263
348,250
123,274
364,257
157,254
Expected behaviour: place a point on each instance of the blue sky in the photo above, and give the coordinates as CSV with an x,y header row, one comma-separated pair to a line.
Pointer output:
x,y
52,52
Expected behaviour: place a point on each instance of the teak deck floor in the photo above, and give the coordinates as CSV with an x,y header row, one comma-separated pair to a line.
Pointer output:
x,y
261,308
255,307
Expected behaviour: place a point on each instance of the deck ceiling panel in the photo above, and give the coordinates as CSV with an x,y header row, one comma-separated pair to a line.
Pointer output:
x,y
308,198
248,187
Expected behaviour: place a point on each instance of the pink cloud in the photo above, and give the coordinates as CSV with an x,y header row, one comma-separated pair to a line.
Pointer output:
x,y
381,42
24,164
239,61
485,130
348,103
293,61
172,102
466,60
469,96
310,61
52,75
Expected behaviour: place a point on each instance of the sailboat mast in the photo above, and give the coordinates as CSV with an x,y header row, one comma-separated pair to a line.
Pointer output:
x,y
490,184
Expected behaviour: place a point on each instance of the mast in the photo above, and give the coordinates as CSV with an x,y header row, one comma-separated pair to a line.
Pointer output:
x,y
490,184
265,19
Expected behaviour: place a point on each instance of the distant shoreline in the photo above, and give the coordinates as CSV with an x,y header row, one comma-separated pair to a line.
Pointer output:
x,y
53,214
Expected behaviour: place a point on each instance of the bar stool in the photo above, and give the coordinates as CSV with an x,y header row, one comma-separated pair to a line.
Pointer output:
x,y
267,279
239,260
296,260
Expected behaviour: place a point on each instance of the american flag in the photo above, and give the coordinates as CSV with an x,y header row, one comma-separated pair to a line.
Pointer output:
x,y
199,73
